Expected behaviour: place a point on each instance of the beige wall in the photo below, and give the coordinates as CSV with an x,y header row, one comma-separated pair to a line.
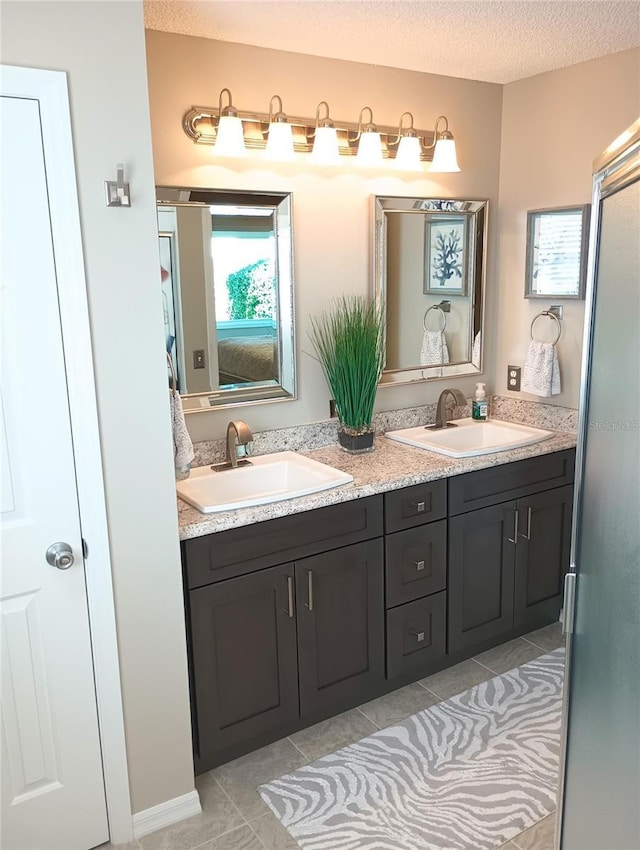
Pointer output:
x,y
101,47
331,206
553,126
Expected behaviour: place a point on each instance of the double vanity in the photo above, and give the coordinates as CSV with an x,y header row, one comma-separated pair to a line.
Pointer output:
x,y
304,606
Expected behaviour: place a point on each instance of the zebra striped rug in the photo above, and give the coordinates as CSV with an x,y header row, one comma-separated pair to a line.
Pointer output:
x,y
467,774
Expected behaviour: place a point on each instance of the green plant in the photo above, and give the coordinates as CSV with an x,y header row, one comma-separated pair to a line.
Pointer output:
x,y
252,291
349,342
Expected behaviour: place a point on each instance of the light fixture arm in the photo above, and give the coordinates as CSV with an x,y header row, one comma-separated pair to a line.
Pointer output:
x,y
321,122
444,134
228,110
278,116
369,127
408,131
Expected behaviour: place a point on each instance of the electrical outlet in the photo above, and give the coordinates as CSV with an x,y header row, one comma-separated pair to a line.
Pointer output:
x,y
198,358
513,378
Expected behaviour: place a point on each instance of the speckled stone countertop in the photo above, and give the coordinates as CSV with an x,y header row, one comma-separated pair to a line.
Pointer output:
x,y
390,466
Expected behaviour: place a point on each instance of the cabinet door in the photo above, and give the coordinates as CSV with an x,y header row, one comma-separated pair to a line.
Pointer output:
x,y
542,555
340,615
245,670
481,575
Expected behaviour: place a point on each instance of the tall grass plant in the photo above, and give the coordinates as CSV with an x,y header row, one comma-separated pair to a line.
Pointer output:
x,y
349,342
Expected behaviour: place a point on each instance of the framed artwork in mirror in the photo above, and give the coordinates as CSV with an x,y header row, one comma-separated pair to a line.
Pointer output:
x,y
445,261
556,261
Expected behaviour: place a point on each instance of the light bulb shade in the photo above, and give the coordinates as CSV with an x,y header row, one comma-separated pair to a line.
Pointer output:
x,y
279,141
369,149
229,137
444,156
325,146
408,154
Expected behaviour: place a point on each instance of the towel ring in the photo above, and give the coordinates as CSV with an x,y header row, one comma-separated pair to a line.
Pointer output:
x,y
174,383
551,316
443,317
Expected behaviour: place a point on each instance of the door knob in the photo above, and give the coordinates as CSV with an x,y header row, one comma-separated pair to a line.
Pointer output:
x,y
60,555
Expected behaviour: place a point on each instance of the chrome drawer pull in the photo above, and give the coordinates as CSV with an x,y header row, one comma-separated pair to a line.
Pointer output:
x,y
419,635
309,602
419,506
419,565
515,527
290,595
527,536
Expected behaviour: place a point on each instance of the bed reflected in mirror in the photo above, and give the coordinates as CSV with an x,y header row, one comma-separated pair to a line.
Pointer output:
x,y
227,288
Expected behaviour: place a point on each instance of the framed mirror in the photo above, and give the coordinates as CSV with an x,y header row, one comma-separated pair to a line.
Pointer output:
x,y
556,263
429,271
226,267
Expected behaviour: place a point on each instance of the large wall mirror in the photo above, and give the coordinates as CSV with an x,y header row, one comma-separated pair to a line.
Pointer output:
x,y
429,271
226,260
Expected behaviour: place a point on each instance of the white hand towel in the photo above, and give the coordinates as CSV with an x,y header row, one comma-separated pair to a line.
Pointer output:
x,y
182,446
475,352
434,351
541,374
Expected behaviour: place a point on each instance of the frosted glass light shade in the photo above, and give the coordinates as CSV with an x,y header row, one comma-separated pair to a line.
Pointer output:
x,y
369,149
444,156
279,141
325,146
408,155
229,137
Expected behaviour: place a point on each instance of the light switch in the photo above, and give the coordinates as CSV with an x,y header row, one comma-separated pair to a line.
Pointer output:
x,y
198,358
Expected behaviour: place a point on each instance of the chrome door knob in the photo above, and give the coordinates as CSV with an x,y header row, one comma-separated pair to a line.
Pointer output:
x,y
60,555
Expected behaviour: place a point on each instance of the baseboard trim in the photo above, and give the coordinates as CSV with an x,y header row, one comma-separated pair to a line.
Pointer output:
x,y
171,811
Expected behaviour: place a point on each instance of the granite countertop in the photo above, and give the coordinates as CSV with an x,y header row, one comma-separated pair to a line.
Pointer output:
x,y
389,467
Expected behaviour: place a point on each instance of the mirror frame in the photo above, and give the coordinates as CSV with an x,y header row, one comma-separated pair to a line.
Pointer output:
x,y
413,374
533,216
264,391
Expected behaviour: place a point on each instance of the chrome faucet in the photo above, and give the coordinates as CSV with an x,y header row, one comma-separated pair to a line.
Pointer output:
x,y
239,439
441,410
239,444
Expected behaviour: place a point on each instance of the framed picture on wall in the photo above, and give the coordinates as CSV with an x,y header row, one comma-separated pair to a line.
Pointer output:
x,y
446,260
556,263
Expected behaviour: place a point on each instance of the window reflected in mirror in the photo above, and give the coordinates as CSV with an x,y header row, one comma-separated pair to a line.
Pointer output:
x,y
227,288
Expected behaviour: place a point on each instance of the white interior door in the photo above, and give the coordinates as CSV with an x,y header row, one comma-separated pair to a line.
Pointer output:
x,y
52,783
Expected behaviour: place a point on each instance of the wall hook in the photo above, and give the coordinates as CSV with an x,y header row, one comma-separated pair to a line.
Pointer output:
x,y
117,191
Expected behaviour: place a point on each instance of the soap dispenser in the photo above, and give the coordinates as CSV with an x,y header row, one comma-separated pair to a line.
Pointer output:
x,y
479,408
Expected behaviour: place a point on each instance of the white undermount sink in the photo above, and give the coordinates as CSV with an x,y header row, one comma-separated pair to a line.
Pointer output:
x,y
470,437
269,478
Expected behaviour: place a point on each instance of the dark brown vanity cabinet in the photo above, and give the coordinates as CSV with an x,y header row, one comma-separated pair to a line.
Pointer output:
x,y
508,556
296,619
274,646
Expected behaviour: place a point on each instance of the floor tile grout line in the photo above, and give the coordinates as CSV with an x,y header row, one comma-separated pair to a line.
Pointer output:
x,y
228,796
366,717
260,841
302,753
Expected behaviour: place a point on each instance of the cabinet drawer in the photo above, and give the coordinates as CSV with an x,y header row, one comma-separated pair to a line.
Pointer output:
x,y
238,551
416,636
510,481
415,505
416,562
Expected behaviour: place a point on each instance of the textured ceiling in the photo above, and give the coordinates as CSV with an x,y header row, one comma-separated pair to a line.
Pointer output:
x,y
491,40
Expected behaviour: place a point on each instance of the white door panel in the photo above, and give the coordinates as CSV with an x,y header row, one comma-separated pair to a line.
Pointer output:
x,y
52,784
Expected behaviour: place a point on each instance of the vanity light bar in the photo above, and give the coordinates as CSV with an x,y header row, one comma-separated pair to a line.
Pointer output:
x,y
200,124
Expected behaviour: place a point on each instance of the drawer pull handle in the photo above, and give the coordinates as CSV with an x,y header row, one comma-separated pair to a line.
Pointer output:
x,y
290,596
515,527
419,506
527,536
309,602
419,635
419,565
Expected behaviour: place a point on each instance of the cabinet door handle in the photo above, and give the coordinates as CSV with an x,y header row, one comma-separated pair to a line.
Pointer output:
x,y
515,528
419,565
527,536
309,602
290,596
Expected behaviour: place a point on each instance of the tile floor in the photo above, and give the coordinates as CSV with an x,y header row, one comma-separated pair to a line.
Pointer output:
x,y
233,814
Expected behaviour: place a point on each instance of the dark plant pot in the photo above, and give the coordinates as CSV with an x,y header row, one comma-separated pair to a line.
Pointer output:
x,y
355,443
